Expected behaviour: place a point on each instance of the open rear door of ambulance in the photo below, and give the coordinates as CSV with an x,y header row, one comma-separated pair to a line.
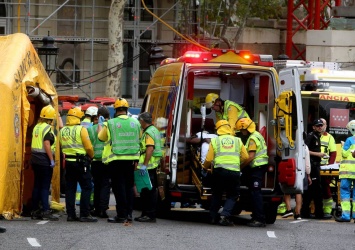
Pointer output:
x,y
289,131
175,128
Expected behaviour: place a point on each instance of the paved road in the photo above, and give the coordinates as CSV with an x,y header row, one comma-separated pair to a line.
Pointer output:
x,y
183,230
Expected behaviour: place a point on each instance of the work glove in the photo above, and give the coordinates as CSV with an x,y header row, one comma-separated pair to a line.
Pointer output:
x,y
203,172
52,164
143,170
101,120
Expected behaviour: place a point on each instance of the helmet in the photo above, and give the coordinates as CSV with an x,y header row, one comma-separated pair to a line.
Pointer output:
x,y
223,128
210,99
245,123
121,103
47,112
92,111
221,123
76,112
351,127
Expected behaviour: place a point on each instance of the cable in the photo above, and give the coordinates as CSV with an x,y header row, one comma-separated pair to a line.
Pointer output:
x,y
181,35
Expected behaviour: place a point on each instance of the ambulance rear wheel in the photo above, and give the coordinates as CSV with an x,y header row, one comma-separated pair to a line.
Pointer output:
x,y
270,211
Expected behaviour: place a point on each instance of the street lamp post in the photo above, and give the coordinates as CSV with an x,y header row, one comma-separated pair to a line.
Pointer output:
x,y
48,54
155,58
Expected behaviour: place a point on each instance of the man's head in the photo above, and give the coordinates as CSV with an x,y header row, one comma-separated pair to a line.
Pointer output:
x,y
351,127
74,116
91,113
48,113
103,111
324,128
318,125
145,119
245,125
223,128
214,102
121,106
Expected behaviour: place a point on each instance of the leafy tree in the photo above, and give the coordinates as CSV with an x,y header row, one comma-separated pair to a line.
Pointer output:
x,y
217,16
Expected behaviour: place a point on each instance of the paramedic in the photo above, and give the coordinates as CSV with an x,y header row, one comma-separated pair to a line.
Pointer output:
x,y
226,110
257,161
121,155
227,152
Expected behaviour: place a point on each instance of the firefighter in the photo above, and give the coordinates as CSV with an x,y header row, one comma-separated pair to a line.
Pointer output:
x,y
151,153
328,146
99,170
78,151
227,152
42,161
226,110
257,161
347,176
90,116
121,155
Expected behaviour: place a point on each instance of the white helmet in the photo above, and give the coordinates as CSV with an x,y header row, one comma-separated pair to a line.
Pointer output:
x,y
351,127
92,111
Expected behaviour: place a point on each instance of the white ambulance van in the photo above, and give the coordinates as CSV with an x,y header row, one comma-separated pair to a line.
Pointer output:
x,y
174,97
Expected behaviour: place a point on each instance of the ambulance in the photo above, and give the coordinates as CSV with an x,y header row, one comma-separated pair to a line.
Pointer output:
x,y
328,92
175,97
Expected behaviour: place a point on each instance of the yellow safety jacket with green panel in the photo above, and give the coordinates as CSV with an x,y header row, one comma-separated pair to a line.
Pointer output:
x,y
154,133
71,142
261,157
227,152
227,103
39,131
97,144
347,164
108,154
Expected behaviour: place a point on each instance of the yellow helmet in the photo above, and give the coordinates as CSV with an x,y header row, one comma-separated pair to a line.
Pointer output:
x,y
210,99
47,112
221,123
245,123
76,112
121,103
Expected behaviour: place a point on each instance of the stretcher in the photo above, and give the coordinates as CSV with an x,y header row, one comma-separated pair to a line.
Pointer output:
x,y
332,172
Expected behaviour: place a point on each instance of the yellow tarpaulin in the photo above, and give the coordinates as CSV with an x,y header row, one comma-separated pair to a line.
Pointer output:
x,y
21,71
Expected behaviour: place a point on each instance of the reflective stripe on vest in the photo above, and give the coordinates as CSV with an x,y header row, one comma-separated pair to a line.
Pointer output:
x,y
227,152
154,133
97,144
241,110
38,134
70,140
261,157
324,142
124,135
347,165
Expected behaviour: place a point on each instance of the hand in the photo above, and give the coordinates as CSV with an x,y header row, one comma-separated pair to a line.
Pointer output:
x,y
203,172
143,170
52,164
101,120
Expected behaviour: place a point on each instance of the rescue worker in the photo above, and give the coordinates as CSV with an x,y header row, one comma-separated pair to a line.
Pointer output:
x,y
228,153
90,116
121,155
78,151
328,146
42,161
89,120
257,161
226,110
347,176
150,155
314,190
99,170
